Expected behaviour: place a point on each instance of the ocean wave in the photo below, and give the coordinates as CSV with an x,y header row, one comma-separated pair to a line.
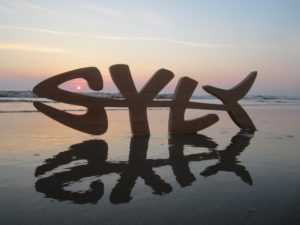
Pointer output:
x,y
17,94
30,96
272,98
24,100
21,101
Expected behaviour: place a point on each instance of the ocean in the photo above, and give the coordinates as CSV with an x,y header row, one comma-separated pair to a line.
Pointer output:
x,y
21,101
52,174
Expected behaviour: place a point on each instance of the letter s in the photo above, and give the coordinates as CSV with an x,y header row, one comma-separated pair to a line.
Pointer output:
x,y
94,121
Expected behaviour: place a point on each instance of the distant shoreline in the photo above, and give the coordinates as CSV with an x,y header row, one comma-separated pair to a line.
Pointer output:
x,y
30,94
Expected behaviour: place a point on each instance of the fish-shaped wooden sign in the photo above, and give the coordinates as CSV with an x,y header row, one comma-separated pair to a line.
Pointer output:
x,y
94,121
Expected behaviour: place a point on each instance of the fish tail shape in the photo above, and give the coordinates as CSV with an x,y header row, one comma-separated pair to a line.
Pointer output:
x,y
230,99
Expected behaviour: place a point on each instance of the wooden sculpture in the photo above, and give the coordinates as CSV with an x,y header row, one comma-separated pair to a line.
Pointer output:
x,y
95,120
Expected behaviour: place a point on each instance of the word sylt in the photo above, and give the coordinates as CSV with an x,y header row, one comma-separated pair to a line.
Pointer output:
x,y
94,121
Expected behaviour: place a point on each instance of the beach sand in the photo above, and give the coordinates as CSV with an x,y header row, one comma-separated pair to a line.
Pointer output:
x,y
51,174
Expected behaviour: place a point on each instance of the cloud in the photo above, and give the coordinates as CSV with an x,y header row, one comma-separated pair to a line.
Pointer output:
x,y
273,48
103,10
147,39
41,30
3,9
29,47
29,7
35,8
154,20
121,38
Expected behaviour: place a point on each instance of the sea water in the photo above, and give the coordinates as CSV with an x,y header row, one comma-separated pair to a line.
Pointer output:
x,y
51,174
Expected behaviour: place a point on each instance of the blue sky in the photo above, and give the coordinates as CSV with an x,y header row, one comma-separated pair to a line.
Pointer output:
x,y
214,42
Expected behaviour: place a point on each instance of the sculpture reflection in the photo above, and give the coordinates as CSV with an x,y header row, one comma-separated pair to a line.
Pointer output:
x,y
179,162
95,152
138,166
228,161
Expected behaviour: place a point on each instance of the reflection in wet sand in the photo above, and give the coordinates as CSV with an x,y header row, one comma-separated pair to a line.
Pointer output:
x,y
95,152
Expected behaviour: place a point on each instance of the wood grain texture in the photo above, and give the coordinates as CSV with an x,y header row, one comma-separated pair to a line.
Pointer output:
x,y
181,97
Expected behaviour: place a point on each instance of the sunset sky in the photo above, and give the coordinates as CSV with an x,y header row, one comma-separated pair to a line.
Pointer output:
x,y
216,42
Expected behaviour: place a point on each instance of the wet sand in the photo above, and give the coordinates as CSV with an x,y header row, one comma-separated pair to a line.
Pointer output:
x,y
51,174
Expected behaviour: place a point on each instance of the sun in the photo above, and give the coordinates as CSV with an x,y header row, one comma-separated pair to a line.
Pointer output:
x,y
78,88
